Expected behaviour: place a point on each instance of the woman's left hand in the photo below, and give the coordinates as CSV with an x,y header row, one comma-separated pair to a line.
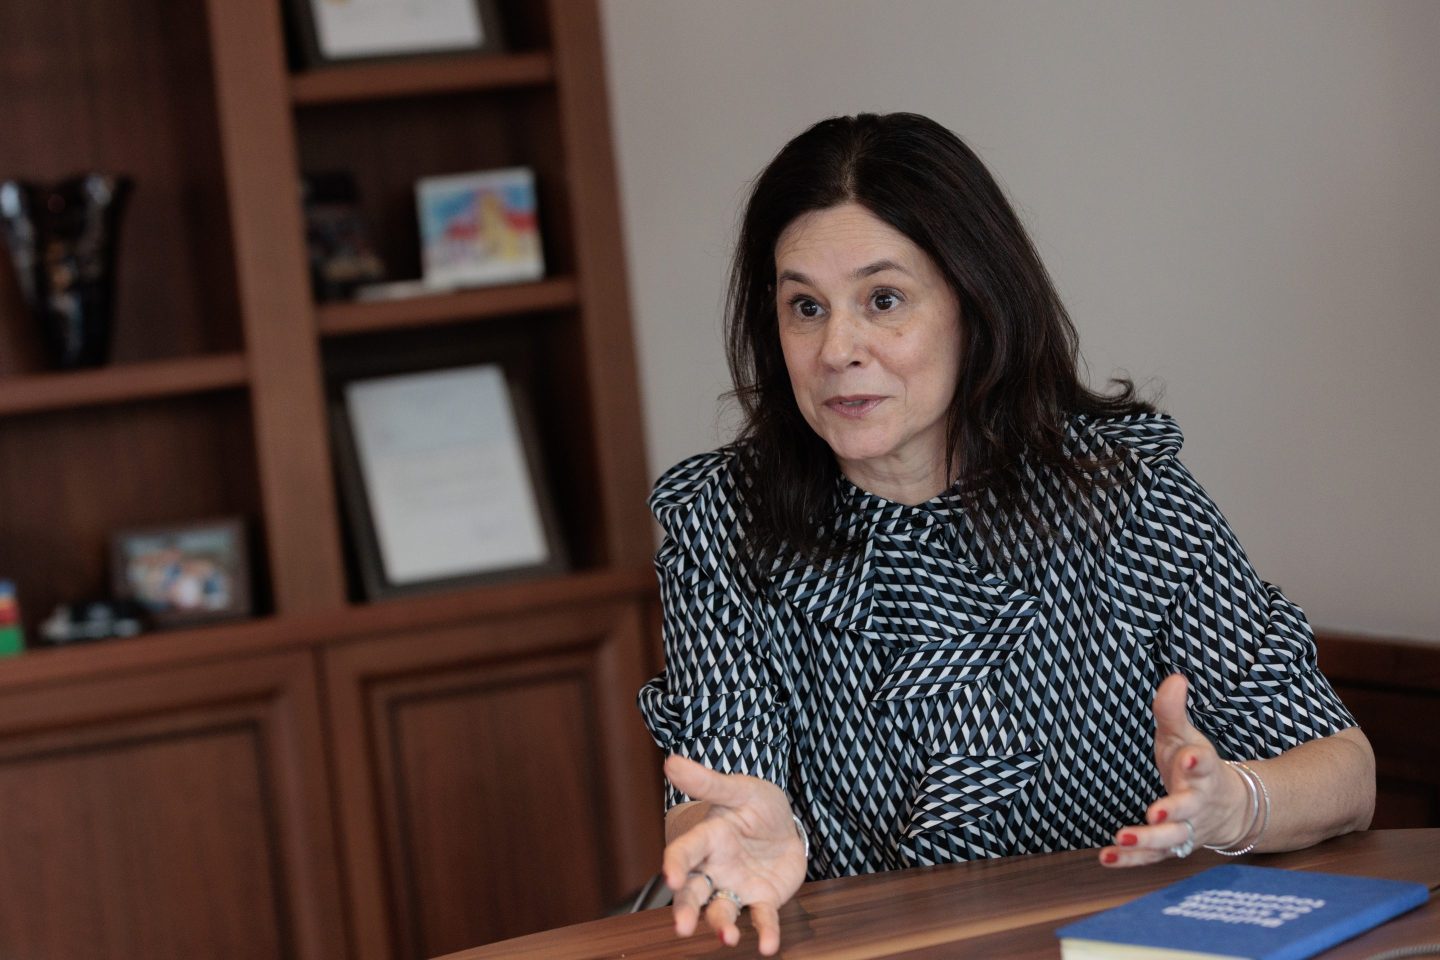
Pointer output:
x,y
1201,790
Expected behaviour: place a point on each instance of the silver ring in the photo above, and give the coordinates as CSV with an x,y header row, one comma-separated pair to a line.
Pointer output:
x,y
1183,850
706,877
724,893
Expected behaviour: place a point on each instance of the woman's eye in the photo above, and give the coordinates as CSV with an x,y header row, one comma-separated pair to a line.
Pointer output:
x,y
885,300
805,308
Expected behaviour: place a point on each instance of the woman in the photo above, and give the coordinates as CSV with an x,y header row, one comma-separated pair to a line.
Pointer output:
x,y
918,612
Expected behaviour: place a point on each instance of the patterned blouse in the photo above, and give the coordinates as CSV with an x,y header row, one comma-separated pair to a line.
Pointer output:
x,y
925,702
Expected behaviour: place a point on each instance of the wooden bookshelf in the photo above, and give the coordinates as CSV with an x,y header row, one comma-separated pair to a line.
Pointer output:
x,y
359,780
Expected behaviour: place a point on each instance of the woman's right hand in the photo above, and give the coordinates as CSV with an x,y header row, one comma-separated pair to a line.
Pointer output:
x,y
744,841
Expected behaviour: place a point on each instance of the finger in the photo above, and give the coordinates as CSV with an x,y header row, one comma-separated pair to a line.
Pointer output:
x,y
1151,843
723,916
1130,856
686,916
766,920
1171,720
689,900
701,783
687,852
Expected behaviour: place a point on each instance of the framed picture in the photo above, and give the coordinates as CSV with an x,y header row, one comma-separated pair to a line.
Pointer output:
x,y
186,573
340,31
479,228
441,478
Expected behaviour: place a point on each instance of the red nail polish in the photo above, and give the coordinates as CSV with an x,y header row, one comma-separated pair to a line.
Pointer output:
x,y
1160,816
1110,857
1128,840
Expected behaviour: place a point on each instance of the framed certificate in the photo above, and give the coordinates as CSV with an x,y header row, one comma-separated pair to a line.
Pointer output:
x,y
340,31
441,478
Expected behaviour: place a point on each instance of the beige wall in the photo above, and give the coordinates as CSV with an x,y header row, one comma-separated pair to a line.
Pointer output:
x,y
1240,200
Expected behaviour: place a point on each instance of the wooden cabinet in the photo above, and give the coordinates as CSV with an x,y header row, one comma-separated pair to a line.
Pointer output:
x,y
169,813
397,781
334,777
1393,689
502,771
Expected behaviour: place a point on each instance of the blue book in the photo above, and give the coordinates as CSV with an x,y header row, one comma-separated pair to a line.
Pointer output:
x,y
1241,913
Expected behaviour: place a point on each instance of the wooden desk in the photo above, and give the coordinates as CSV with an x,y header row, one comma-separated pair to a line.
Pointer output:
x,y
1002,909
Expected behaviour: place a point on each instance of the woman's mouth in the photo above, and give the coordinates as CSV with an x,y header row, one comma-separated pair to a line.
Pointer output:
x,y
853,407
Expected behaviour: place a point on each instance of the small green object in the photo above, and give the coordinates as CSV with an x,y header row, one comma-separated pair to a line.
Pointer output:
x,y
12,641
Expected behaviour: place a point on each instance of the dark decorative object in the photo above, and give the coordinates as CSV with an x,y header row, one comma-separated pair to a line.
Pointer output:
x,y
341,254
62,240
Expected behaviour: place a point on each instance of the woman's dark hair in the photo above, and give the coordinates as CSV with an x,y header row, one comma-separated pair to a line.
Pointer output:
x,y
1018,381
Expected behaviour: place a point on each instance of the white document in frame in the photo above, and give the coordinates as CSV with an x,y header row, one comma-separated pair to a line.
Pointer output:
x,y
360,28
445,474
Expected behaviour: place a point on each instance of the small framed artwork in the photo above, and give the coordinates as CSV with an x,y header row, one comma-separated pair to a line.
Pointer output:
x,y
441,478
479,228
341,31
186,573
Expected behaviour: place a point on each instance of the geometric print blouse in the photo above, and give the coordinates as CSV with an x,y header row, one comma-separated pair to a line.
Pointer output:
x,y
925,701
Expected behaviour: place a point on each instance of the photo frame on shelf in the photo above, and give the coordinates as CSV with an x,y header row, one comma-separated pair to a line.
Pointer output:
x,y
478,229
442,481
329,32
184,573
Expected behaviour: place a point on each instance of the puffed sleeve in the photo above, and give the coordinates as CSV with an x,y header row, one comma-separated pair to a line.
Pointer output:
x,y
1247,650
719,700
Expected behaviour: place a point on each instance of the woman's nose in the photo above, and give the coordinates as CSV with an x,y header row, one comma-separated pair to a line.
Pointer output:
x,y
844,342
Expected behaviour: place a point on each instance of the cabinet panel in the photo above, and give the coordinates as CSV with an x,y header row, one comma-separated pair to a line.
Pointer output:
x,y
175,815
508,770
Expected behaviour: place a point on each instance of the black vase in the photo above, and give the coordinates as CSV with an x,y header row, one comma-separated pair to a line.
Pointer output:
x,y
62,240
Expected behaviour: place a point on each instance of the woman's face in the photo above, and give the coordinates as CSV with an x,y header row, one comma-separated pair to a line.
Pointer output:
x,y
871,335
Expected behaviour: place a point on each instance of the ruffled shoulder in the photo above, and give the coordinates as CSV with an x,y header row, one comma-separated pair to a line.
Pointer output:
x,y
1150,436
697,503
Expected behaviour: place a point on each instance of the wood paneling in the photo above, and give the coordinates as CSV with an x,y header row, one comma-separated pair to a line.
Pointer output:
x,y
1393,689
512,793
174,814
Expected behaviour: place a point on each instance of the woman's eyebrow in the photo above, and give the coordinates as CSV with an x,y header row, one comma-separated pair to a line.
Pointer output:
x,y
879,266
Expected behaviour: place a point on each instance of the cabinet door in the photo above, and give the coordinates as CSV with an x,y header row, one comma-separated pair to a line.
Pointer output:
x,y
494,778
176,814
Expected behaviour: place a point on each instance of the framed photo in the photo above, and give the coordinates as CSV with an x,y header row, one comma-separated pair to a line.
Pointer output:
x,y
441,478
340,31
184,574
479,228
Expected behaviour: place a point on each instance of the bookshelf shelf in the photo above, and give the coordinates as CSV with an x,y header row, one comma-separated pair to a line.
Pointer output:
x,y
411,78
345,319
123,383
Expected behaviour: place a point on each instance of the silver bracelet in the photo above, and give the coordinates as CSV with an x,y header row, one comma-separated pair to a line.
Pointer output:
x,y
1260,811
1254,795
804,837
